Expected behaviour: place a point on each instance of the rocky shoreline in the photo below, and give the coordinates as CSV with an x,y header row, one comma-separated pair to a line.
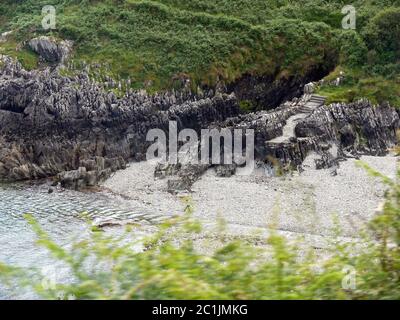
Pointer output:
x,y
77,133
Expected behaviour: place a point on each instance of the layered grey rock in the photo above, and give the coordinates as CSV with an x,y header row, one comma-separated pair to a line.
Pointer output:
x,y
51,50
285,136
51,125
356,128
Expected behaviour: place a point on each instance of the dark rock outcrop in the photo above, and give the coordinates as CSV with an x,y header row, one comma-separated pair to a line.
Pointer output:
x,y
71,129
51,124
50,50
332,132
269,91
355,128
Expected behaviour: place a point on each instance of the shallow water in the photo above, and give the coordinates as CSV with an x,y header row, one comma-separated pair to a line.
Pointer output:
x,y
60,214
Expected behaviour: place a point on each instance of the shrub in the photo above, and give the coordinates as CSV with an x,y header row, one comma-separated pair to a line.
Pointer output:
x,y
383,35
353,49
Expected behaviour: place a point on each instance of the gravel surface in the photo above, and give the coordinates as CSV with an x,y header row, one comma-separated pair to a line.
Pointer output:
x,y
303,204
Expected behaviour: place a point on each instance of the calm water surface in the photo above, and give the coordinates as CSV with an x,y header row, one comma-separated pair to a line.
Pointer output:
x,y
59,213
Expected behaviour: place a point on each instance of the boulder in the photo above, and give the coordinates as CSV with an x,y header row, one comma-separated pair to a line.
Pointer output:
x,y
225,170
50,49
309,88
177,185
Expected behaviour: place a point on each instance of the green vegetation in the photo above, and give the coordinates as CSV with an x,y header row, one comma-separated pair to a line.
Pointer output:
x,y
246,106
370,61
155,43
28,58
170,267
359,84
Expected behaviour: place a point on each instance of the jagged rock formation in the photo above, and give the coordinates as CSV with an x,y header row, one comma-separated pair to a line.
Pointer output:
x,y
50,124
358,128
286,135
51,50
70,128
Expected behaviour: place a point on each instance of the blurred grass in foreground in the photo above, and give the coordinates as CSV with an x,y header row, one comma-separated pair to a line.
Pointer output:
x,y
170,267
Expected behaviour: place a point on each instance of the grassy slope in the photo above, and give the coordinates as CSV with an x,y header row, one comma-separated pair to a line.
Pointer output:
x,y
153,42
358,84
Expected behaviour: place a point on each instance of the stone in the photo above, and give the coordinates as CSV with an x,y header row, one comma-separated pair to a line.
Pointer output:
x,y
225,170
176,185
309,88
50,49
